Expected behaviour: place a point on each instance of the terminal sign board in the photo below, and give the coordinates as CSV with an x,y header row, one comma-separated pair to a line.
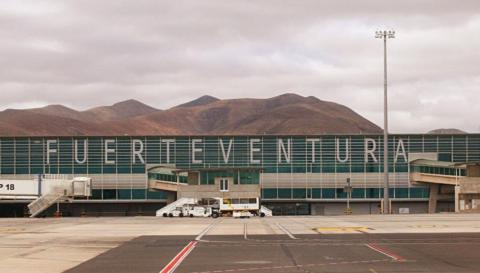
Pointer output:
x,y
18,187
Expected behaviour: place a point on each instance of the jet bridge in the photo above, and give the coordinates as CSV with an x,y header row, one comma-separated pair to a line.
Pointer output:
x,y
448,181
45,190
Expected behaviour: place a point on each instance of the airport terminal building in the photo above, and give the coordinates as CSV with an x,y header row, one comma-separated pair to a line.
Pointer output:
x,y
303,175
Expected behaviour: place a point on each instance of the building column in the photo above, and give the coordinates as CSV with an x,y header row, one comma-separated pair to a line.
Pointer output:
x,y
457,198
432,201
171,197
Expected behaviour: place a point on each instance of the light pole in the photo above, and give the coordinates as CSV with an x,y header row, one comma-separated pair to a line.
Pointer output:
x,y
384,34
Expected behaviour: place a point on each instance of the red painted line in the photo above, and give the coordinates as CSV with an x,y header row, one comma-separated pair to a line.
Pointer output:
x,y
386,252
177,260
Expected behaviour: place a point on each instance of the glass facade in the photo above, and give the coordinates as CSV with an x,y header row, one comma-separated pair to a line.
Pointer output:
x,y
439,170
241,177
167,177
292,167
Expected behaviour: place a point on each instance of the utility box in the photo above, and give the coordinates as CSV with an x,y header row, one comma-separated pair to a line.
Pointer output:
x,y
404,210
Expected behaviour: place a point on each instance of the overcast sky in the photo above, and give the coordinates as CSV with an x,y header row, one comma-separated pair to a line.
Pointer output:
x,y
89,53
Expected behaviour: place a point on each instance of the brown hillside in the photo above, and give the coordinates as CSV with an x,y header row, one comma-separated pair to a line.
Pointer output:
x,y
285,114
60,111
24,122
118,111
121,110
203,100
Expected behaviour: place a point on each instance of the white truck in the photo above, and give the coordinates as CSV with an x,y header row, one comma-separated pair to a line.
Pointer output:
x,y
189,210
243,207
177,212
235,207
197,211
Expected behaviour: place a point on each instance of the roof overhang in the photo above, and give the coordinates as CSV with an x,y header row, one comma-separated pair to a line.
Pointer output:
x,y
441,164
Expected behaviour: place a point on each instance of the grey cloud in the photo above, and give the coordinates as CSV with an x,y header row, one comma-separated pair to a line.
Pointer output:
x,y
88,53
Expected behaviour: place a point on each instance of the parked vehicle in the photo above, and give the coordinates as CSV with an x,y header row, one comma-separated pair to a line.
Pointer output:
x,y
177,212
240,207
215,207
197,211
242,214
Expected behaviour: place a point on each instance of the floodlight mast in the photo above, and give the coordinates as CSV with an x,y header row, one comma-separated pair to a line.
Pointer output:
x,y
384,34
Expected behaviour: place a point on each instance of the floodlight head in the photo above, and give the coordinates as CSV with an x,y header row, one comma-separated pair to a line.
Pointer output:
x,y
391,34
383,34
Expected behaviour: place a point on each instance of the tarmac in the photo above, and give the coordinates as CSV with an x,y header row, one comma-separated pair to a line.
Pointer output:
x,y
365,243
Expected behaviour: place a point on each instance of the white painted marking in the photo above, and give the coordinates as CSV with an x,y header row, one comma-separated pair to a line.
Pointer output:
x,y
245,231
253,262
199,237
385,252
286,231
178,259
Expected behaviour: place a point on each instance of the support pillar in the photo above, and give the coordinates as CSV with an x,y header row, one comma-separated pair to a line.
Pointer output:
x,y
171,197
457,198
432,201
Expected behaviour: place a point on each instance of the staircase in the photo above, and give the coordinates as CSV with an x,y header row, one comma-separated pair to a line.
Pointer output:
x,y
266,211
179,203
44,202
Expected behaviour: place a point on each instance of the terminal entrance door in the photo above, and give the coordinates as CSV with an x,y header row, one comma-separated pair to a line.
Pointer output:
x,y
224,184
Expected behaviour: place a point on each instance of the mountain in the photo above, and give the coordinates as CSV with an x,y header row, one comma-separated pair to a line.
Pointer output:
x,y
59,111
284,114
121,110
118,111
29,123
449,131
203,100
